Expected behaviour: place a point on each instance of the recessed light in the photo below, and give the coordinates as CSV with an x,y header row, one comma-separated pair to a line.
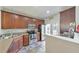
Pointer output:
x,y
47,11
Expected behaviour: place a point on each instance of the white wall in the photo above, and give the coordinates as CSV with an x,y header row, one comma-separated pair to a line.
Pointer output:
x,y
48,29
55,20
77,22
77,15
0,19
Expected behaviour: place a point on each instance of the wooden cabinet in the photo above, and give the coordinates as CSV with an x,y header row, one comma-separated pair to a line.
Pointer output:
x,y
15,21
16,45
25,40
18,21
23,23
12,21
6,20
20,42
26,21
12,47
38,22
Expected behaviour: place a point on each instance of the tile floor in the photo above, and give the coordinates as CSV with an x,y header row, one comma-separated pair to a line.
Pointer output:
x,y
37,47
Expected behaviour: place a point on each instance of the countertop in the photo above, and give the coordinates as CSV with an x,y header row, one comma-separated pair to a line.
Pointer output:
x,y
74,40
59,44
5,43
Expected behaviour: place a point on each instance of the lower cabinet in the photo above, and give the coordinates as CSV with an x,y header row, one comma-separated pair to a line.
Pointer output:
x,y
16,45
25,40
11,48
20,43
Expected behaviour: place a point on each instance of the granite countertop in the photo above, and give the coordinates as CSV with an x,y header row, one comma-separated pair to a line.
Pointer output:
x,y
5,43
74,40
14,35
58,44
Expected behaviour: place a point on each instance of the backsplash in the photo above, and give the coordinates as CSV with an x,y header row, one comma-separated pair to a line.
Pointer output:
x,y
4,31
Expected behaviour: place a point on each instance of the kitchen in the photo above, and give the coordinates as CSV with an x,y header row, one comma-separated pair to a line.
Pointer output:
x,y
18,30
43,28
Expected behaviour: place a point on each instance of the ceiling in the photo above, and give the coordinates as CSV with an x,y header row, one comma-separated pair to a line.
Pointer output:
x,y
41,12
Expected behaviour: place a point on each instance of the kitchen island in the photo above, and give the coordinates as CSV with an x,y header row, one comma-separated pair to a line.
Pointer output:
x,y
59,44
12,44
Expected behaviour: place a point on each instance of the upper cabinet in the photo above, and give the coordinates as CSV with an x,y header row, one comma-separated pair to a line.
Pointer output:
x,y
15,21
38,22
6,20
18,22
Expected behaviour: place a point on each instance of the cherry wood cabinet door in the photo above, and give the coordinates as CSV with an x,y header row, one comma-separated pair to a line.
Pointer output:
x,y
25,40
22,22
25,22
35,22
20,42
12,21
19,22
11,48
6,20
16,45
15,21
38,22
30,21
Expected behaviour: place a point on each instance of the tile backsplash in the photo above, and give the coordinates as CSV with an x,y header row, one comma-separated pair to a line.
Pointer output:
x,y
4,31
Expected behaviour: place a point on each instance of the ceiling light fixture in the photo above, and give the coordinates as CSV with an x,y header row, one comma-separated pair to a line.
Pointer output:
x,y
47,11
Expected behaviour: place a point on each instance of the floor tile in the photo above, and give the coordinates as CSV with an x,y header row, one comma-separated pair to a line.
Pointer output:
x,y
36,47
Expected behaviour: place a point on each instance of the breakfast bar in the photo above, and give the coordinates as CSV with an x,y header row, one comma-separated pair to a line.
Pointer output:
x,y
61,44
